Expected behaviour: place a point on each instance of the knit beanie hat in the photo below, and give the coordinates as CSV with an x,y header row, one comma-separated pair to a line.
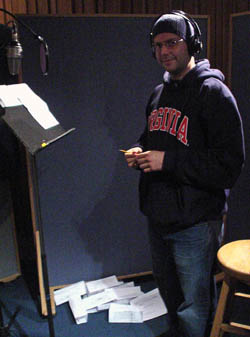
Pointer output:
x,y
171,23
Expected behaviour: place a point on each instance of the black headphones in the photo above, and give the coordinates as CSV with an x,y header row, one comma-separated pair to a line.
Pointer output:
x,y
193,41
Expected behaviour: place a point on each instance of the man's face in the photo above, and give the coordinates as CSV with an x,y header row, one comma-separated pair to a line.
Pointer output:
x,y
172,53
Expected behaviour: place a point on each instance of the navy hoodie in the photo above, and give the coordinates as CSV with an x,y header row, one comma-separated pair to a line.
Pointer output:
x,y
197,124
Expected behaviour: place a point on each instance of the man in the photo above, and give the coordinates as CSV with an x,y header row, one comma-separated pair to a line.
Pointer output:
x,y
190,154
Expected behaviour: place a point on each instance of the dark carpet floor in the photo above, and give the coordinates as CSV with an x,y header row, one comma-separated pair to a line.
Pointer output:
x,y
29,323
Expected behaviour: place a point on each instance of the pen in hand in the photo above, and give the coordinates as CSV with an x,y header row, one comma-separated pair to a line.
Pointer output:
x,y
125,151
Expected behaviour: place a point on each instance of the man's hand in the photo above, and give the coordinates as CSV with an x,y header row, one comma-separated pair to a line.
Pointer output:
x,y
150,160
130,156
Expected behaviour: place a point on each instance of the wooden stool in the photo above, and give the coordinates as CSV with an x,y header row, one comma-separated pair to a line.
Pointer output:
x,y
234,260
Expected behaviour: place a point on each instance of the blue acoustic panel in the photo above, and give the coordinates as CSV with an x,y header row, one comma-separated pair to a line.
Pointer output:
x,y
100,77
239,210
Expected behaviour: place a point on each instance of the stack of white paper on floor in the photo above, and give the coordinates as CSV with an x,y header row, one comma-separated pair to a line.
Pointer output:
x,y
151,304
64,294
125,301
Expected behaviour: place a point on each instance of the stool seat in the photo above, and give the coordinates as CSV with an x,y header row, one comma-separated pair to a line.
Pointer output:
x,y
234,259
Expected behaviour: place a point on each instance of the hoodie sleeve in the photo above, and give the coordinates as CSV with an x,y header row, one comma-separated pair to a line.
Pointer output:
x,y
142,141
220,162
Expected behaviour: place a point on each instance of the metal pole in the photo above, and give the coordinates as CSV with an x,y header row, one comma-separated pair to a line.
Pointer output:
x,y
43,253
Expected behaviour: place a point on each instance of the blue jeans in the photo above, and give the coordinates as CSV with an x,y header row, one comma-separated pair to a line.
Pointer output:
x,y
183,267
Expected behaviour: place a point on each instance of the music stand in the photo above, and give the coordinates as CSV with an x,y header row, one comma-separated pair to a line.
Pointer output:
x,y
34,138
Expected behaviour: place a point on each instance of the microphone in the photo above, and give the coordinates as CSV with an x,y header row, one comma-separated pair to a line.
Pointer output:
x,y
14,52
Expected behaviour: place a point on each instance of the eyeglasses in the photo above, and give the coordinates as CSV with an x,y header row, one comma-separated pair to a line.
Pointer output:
x,y
170,44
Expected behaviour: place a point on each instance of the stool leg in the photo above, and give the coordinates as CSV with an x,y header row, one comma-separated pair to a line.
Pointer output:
x,y
231,282
215,332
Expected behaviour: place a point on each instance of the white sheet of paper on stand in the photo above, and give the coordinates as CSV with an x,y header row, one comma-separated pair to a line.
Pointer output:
x,y
64,294
101,284
79,313
151,304
7,99
121,313
22,93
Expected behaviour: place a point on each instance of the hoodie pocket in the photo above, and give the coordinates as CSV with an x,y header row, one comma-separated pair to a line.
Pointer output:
x,y
201,205
164,203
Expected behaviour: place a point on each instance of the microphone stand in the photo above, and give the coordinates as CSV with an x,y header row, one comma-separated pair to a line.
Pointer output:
x,y
5,330
44,55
